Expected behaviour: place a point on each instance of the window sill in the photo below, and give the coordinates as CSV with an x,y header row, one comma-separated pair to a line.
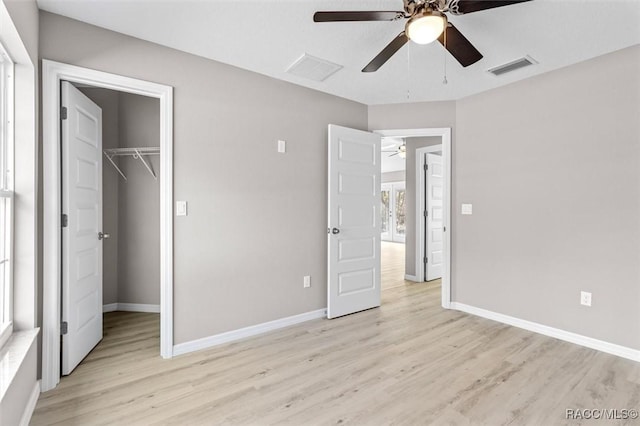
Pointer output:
x,y
12,356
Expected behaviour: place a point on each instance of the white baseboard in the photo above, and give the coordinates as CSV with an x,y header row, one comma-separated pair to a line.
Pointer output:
x,y
411,278
230,336
131,307
110,307
31,405
578,339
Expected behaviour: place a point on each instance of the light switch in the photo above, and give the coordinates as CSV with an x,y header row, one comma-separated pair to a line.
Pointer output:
x,y
467,209
181,208
282,146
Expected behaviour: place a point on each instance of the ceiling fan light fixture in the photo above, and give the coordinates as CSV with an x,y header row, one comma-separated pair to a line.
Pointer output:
x,y
426,26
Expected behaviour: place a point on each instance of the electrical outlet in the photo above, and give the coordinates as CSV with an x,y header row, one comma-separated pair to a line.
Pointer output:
x,y
307,281
585,298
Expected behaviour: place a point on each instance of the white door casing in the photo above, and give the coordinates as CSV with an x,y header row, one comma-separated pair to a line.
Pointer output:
x,y
434,234
53,73
81,248
353,221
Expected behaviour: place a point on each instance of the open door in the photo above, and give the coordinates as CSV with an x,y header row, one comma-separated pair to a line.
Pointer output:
x,y
81,226
354,221
435,216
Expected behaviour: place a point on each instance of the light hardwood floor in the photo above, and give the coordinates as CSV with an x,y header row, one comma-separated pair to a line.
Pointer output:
x,y
408,362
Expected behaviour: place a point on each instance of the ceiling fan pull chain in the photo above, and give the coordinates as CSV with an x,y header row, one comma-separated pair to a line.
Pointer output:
x,y
445,56
408,71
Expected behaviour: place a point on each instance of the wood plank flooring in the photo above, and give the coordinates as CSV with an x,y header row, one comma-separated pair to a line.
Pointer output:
x,y
407,363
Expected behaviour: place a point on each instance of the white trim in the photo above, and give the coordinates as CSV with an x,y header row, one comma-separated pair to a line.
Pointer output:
x,y
52,74
445,134
110,307
567,336
243,333
413,278
31,405
131,307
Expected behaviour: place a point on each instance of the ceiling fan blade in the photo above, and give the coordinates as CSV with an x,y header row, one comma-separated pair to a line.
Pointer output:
x,y
468,6
459,47
356,16
395,45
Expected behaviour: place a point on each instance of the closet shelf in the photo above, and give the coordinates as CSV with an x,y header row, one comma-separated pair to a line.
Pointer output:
x,y
136,153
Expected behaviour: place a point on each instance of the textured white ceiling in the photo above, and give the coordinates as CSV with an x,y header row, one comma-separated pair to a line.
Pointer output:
x,y
269,35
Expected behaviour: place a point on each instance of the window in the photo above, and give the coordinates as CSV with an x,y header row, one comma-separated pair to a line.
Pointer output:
x,y
6,194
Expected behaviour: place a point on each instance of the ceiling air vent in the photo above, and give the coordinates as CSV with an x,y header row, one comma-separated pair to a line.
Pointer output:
x,y
313,68
513,65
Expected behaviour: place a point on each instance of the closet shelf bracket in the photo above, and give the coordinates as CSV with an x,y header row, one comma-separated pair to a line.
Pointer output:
x,y
136,153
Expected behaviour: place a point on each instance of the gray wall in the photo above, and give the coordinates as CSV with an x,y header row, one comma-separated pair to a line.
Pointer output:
x,y
410,200
131,208
412,116
257,219
139,203
551,165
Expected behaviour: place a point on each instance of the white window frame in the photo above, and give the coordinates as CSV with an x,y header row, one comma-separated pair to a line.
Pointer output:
x,y
7,190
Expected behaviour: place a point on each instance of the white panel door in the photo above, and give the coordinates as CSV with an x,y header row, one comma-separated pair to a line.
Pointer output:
x,y
81,246
354,221
435,215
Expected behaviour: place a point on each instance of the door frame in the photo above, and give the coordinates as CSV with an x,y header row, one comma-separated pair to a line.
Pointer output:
x,y
445,134
52,75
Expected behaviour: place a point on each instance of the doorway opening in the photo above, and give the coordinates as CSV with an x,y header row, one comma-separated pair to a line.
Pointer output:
x,y
417,161
53,75
125,215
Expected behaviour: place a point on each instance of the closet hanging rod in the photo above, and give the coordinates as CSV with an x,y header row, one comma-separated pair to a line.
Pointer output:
x,y
152,150
136,153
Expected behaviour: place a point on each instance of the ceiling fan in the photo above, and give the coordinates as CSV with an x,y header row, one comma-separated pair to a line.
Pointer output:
x,y
426,23
400,151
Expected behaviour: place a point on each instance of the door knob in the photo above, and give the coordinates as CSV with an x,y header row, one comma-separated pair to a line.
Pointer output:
x,y
335,231
102,236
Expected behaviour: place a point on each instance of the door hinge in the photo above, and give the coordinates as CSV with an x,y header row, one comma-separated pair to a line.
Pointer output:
x,y
64,328
426,167
426,213
65,220
426,260
63,113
